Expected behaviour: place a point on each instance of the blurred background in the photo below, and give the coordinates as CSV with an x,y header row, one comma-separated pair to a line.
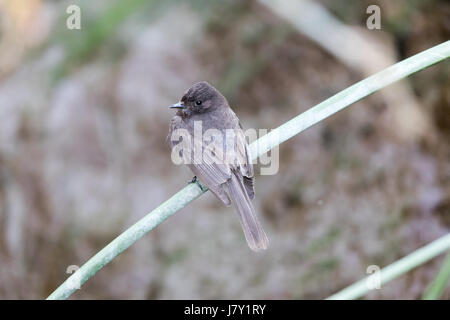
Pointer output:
x,y
83,152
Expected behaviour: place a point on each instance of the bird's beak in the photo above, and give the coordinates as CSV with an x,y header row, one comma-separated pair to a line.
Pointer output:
x,y
179,105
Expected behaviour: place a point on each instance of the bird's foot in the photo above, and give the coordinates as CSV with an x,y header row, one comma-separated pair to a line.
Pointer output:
x,y
195,180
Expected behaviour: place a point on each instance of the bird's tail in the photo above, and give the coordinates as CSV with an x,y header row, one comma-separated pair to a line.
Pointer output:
x,y
254,233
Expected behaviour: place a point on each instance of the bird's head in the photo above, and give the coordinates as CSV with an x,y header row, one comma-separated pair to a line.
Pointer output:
x,y
200,98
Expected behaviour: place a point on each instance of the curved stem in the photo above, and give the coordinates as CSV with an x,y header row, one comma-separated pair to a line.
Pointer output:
x,y
437,287
269,141
396,269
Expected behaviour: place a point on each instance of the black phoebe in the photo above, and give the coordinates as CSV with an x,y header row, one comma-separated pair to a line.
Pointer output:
x,y
230,179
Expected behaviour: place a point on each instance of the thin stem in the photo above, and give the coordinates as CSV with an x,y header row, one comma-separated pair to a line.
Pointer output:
x,y
411,261
437,287
261,146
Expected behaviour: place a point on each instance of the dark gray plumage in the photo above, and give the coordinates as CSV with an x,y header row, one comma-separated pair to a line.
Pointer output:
x,y
230,181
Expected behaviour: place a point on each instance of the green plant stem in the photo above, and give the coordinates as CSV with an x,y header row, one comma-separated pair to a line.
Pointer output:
x,y
411,261
259,147
437,287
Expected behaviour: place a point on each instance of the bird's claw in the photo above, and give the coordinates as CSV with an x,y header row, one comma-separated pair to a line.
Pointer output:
x,y
195,180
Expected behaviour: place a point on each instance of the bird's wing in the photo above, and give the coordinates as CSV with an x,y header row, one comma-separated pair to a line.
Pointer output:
x,y
215,167
211,169
207,166
245,164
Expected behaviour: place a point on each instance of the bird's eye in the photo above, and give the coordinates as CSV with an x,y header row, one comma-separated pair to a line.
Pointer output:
x,y
198,102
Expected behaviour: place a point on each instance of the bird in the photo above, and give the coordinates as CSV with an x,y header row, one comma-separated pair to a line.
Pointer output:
x,y
225,165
